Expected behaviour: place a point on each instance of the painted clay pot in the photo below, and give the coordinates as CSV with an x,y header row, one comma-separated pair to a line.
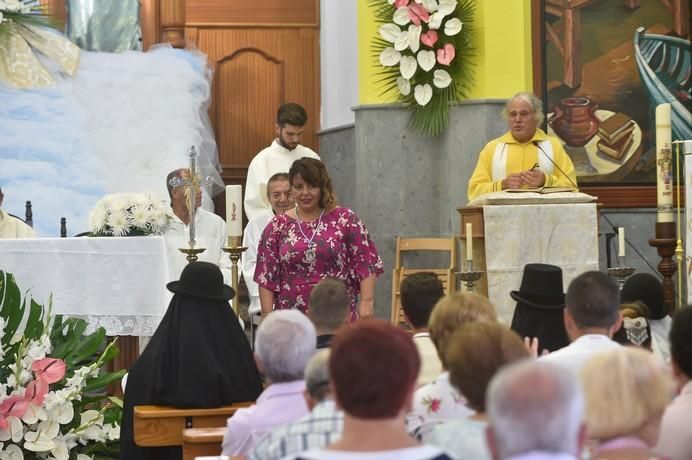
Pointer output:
x,y
575,122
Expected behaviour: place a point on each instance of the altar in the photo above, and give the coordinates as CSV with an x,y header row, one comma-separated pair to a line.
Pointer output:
x,y
507,237
115,283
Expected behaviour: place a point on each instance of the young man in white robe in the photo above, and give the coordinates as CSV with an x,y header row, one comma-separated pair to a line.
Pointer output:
x,y
278,157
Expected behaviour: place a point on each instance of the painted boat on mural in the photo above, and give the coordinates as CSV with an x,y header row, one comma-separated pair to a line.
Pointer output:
x,y
664,67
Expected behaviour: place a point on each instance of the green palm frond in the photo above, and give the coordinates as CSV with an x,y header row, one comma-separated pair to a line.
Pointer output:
x,y
432,118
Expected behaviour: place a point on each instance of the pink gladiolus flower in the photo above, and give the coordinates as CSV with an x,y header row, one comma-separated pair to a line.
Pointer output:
x,y
429,38
418,13
50,370
446,54
400,3
36,391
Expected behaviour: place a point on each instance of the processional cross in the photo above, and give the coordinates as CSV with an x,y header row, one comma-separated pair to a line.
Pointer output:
x,y
192,181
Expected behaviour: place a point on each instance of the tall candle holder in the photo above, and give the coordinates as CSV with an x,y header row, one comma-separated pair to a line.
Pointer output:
x,y
191,252
234,251
621,272
469,277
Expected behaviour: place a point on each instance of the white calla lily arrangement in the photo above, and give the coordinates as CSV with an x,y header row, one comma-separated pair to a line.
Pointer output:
x,y
424,47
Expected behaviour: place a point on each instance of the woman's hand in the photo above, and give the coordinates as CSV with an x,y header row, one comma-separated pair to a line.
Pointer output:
x,y
366,308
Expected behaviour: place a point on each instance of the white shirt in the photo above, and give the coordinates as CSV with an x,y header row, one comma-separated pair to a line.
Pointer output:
x,y
574,355
660,328
274,159
251,238
11,227
210,233
430,365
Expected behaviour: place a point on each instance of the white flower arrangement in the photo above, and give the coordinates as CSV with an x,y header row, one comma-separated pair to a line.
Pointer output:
x,y
51,407
131,214
424,47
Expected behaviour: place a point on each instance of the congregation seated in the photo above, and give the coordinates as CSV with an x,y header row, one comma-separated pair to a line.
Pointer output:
x,y
626,392
591,318
328,309
439,400
198,357
419,294
374,366
647,289
12,227
676,426
322,426
284,344
539,312
635,329
535,412
474,354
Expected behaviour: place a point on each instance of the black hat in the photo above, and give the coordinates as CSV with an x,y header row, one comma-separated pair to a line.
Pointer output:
x,y
203,280
645,288
541,287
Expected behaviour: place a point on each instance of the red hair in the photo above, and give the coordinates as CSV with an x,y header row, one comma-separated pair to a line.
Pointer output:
x,y
373,367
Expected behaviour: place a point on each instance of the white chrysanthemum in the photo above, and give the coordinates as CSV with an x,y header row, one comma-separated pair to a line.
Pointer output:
x,y
97,219
117,221
140,216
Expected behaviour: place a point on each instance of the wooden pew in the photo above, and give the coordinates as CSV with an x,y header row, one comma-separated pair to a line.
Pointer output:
x,y
200,442
156,426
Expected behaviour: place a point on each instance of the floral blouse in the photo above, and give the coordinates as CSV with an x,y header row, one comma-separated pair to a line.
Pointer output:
x,y
293,256
435,403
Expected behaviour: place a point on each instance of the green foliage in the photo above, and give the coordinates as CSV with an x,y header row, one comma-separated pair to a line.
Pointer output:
x,y
432,118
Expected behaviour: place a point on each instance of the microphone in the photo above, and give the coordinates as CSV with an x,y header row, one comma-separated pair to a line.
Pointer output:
x,y
538,146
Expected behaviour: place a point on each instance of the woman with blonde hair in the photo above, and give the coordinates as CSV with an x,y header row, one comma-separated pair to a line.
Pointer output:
x,y
626,393
439,401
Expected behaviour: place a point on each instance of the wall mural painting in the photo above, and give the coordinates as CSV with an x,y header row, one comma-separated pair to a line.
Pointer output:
x,y
608,63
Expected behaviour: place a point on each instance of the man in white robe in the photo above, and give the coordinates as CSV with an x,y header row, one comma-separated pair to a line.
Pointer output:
x,y
281,200
278,157
11,227
210,231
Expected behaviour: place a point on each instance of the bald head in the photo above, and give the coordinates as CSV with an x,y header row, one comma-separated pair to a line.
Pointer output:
x,y
534,406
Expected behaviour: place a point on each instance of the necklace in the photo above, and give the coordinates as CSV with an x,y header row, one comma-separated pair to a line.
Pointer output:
x,y
310,252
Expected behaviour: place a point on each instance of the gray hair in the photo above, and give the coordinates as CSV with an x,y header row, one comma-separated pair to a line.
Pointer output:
x,y
535,405
531,99
317,375
286,340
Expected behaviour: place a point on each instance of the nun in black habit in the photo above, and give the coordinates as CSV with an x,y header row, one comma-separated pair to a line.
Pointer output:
x,y
199,357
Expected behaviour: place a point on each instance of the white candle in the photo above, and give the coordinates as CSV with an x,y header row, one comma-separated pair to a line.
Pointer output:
x,y
234,210
469,241
621,241
664,164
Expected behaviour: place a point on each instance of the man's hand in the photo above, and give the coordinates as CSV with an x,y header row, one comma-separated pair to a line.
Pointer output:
x,y
512,181
533,178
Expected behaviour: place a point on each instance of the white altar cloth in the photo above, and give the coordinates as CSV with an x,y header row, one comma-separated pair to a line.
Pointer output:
x,y
117,283
565,235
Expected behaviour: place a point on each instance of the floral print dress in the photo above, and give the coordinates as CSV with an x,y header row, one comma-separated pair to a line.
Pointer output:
x,y
294,256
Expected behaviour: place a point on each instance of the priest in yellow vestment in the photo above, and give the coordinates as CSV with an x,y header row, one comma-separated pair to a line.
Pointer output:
x,y
523,157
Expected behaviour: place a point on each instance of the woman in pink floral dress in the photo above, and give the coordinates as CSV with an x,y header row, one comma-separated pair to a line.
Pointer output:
x,y
315,240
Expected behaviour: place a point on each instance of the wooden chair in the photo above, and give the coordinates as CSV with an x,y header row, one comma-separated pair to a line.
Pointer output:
x,y
156,426
200,442
446,275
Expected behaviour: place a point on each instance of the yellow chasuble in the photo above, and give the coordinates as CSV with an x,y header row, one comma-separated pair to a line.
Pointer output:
x,y
520,157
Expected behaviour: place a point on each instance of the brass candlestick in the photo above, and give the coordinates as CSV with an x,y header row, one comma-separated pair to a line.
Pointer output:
x,y
469,277
191,253
621,272
234,250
